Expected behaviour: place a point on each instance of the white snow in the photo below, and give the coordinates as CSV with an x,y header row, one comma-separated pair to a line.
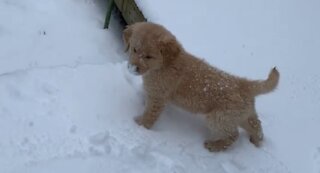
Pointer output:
x,y
67,98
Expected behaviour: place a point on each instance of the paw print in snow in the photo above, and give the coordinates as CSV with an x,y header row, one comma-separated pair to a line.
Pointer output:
x,y
317,161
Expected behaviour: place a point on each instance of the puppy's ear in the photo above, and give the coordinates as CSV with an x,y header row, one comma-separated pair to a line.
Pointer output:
x,y
126,35
170,48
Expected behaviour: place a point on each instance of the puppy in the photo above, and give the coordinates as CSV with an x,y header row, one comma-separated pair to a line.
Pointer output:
x,y
172,75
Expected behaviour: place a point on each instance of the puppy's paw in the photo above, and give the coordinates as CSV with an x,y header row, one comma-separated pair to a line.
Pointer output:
x,y
216,146
256,140
141,121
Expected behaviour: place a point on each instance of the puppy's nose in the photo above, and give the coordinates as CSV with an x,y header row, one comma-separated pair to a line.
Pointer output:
x,y
133,68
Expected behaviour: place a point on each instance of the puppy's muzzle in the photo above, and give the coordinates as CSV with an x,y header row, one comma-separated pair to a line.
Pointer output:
x,y
133,69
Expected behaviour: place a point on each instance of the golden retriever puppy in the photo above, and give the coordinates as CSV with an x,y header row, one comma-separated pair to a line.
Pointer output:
x,y
172,75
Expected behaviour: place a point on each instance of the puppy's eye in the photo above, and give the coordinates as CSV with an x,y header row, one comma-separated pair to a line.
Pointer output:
x,y
148,57
134,50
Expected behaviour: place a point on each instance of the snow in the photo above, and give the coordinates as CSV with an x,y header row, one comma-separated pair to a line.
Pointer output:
x,y
67,98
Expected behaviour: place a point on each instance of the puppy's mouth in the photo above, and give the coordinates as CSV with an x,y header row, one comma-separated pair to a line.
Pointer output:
x,y
134,69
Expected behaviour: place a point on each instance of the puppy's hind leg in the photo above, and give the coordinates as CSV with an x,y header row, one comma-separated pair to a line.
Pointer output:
x,y
252,125
225,125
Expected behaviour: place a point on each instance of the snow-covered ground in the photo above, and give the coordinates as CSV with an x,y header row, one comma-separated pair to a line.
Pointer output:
x,y
67,99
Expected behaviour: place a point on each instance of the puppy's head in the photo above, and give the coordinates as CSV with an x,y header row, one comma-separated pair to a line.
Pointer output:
x,y
150,47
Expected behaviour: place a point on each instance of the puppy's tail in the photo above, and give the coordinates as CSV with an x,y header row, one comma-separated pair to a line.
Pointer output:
x,y
262,87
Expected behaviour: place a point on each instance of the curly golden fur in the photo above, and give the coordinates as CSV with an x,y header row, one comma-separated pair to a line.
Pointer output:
x,y
172,75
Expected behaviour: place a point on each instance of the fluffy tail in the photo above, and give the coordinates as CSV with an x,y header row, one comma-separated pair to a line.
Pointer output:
x,y
263,87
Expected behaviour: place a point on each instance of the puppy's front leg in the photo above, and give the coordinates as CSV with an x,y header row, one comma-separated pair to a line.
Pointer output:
x,y
152,112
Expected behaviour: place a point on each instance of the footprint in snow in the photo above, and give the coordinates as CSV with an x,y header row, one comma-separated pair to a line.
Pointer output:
x,y
155,159
317,161
103,143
